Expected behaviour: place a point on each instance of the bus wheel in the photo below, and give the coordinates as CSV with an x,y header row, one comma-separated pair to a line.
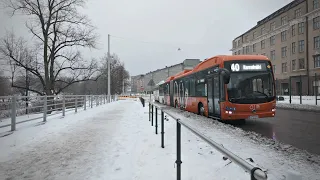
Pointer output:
x,y
200,109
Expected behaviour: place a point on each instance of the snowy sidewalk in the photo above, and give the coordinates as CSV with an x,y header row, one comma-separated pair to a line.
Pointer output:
x,y
111,142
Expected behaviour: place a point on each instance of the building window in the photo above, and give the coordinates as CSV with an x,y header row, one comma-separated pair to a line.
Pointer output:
x,y
301,63
284,52
254,35
284,67
246,38
247,50
283,35
293,48
238,43
272,40
262,30
297,13
301,28
273,55
317,61
243,50
283,20
254,48
316,42
301,46
293,65
263,44
274,68
315,4
272,26
316,23
293,30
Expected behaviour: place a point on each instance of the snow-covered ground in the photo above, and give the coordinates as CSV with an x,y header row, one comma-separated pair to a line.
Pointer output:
x,y
270,155
308,103
113,141
116,141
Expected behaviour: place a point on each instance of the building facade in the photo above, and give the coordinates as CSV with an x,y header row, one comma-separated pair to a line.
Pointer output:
x,y
290,38
139,83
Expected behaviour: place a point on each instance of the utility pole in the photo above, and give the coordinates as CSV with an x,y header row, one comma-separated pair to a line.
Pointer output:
x,y
123,86
109,58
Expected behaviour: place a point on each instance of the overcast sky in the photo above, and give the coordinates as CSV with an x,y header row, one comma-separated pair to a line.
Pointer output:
x,y
202,28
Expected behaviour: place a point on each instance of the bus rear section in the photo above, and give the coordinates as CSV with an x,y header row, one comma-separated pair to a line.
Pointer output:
x,y
249,94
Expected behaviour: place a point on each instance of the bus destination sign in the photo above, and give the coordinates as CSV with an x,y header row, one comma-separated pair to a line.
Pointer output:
x,y
247,66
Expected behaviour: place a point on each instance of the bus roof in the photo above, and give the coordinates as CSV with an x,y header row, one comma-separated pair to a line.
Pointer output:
x,y
159,83
178,75
210,62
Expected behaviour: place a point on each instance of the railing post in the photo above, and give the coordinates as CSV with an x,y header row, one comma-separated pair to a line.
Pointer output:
x,y
151,114
91,99
45,108
162,129
13,113
63,105
290,89
316,87
300,92
104,99
178,161
156,125
76,104
85,102
97,100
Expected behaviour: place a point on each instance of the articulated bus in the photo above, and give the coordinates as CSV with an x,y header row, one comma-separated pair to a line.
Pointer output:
x,y
156,92
230,87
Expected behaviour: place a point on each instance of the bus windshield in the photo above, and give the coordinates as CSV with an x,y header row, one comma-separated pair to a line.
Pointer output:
x,y
251,87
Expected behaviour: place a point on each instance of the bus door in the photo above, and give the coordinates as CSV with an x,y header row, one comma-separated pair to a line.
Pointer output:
x,y
216,94
181,94
213,95
171,93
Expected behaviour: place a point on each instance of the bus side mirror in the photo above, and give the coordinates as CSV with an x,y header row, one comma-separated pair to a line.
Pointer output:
x,y
225,75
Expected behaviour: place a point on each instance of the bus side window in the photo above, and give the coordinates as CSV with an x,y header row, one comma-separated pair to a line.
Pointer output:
x,y
192,87
200,89
186,86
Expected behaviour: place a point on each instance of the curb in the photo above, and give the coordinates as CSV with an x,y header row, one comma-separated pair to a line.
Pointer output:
x,y
299,109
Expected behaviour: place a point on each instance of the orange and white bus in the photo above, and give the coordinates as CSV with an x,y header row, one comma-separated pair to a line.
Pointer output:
x,y
231,87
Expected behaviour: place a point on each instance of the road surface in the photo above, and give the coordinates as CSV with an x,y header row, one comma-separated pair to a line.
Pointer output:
x,y
298,128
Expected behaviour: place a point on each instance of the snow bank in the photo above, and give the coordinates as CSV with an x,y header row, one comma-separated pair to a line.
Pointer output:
x,y
274,157
308,103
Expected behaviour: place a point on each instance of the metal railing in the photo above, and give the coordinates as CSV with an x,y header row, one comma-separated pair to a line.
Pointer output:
x,y
255,172
41,107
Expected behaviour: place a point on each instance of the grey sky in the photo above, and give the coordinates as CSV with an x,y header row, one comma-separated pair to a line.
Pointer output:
x,y
202,28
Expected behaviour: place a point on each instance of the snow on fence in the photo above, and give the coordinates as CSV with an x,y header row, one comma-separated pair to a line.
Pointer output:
x,y
255,172
12,107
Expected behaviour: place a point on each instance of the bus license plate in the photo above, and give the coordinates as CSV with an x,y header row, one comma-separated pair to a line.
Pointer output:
x,y
254,117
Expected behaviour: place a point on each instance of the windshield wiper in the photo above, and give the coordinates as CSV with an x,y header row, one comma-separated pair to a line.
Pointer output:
x,y
262,93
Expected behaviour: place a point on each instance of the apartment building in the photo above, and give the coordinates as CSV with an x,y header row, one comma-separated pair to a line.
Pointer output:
x,y
139,83
290,37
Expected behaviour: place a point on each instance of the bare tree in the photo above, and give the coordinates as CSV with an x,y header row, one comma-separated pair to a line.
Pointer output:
x,y
119,77
4,86
59,30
